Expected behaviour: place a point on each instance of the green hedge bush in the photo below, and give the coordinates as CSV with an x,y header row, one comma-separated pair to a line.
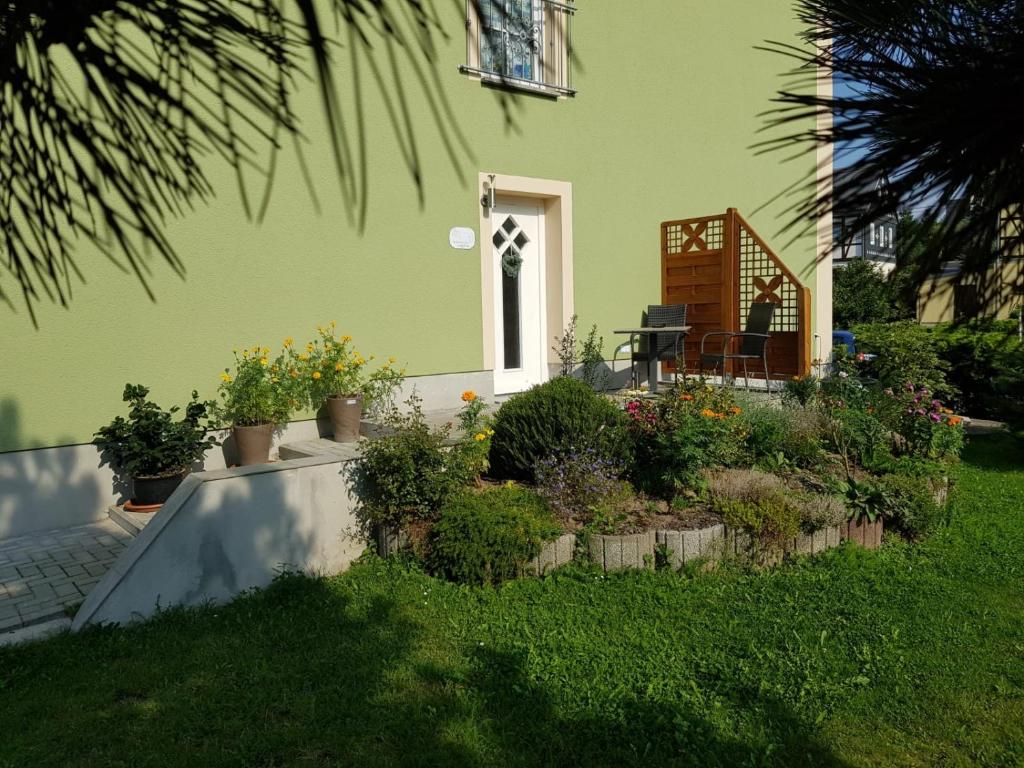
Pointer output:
x,y
560,415
986,364
489,537
910,505
906,352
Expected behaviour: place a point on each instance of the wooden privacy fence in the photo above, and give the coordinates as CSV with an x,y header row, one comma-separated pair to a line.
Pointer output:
x,y
718,266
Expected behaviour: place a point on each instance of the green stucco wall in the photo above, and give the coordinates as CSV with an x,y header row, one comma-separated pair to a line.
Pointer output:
x,y
668,104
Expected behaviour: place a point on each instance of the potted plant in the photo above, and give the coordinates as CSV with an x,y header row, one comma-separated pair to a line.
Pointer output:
x,y
257,397
334,375
152,448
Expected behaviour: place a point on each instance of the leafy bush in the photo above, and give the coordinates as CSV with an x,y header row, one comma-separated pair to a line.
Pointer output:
x,y
986,365
923,426
488,537
906,351
792,434
150,443
687,430
865,499
560,415
861,294
574,482
410,473
911,506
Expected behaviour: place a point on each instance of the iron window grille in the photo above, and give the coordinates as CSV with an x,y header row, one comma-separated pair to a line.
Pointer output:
x,y
525,44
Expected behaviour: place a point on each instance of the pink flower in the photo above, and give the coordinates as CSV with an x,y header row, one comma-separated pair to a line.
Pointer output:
x,y
936,417
920,412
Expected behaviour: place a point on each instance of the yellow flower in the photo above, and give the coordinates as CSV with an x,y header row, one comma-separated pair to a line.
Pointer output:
x,y
346,339
293,373
225,377
327,345
339,367
333,324
303,358
265,351
316,374
392,361
490,432
264,362
310,347
480,437
468,396
288,342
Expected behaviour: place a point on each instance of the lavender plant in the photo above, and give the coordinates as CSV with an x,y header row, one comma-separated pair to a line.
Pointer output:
x,y
575,481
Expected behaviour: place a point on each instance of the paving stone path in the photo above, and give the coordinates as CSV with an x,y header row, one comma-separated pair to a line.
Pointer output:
x,y
43,574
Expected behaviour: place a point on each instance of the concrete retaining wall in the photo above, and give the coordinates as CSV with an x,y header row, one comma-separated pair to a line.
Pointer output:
x,y
58,487
230,530
638,551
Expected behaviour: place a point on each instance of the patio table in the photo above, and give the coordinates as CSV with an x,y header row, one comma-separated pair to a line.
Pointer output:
x,y
652,361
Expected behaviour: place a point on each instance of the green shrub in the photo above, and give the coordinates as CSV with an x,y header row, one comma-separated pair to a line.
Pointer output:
x,y
910,505
409,474
865,499
772,520
561,415
790,433
675,438
986,364
800,390
906,352
861,294
489,537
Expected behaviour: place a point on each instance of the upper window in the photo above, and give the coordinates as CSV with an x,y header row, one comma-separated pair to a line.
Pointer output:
x,y
523,44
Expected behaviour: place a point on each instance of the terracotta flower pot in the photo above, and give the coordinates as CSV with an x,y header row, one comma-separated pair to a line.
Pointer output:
x,y
253,443
150,493
345,413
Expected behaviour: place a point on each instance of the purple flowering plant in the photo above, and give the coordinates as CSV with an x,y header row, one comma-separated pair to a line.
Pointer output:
x,y
574,482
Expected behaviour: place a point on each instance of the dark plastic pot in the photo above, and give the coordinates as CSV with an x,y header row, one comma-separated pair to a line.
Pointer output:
x,y
153,491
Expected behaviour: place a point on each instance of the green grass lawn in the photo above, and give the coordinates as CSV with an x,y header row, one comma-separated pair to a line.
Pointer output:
x,y
913,655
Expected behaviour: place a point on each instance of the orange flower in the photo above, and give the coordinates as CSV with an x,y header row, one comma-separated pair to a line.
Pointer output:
x,y
707,413
686,397
954,421
468,396
735,410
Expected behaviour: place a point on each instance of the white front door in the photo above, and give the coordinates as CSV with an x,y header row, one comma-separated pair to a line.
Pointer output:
x,y
520,329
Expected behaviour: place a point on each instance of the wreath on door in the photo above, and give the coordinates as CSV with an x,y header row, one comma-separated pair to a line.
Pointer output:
x,y
512,262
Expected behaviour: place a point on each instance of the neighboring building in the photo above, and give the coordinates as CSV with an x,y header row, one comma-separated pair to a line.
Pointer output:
x,y
577,134
852,239
998,293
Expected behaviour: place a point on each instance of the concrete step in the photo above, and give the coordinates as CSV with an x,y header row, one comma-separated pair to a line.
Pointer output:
x,y
131,522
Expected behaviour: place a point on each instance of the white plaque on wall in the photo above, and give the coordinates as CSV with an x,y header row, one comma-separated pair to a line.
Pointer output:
x,y
462,238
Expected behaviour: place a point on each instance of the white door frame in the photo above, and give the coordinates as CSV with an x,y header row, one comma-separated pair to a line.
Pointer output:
x,y
556,199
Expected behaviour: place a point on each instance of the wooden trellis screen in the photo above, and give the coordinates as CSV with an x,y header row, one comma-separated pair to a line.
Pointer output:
x,y
718,266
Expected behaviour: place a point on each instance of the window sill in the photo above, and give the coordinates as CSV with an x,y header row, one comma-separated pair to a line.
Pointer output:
x,y
518,83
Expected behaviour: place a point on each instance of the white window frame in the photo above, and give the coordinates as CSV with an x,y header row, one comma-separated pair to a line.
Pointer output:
x,y
553,62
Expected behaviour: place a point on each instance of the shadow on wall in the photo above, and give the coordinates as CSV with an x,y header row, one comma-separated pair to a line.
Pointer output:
x,y
337,673
47,488
229,531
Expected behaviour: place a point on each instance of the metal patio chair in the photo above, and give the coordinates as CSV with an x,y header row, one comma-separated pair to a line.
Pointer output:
x,y
753,344
666,346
